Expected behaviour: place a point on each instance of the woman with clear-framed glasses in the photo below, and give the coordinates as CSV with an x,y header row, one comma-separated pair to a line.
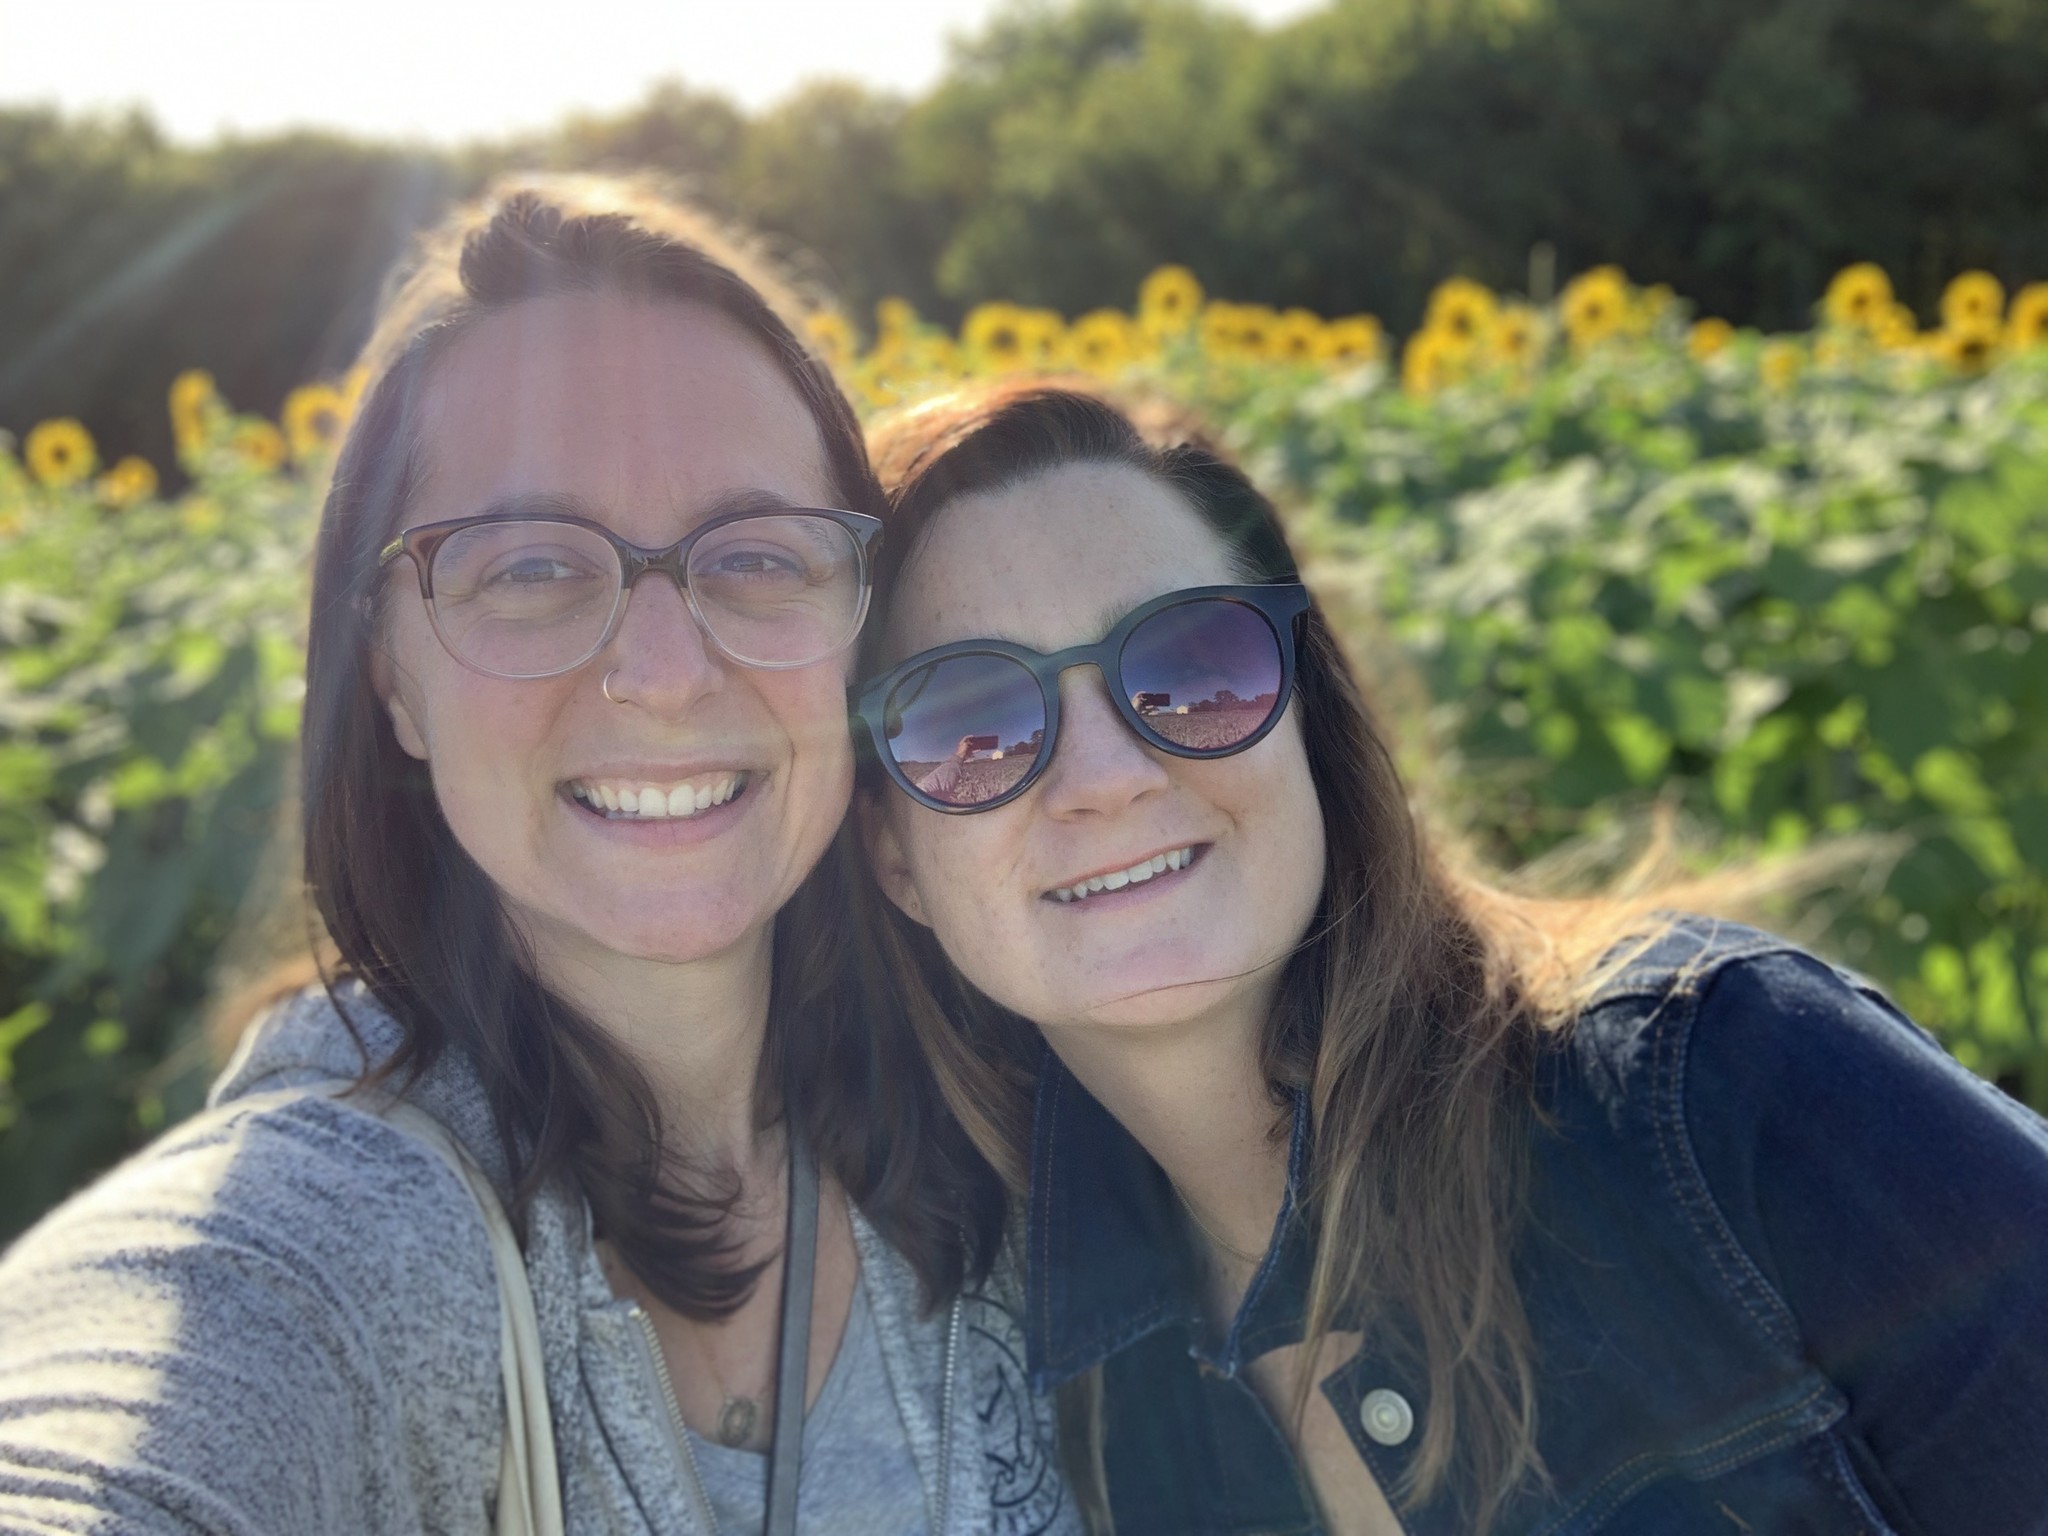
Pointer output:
x,y
579,1197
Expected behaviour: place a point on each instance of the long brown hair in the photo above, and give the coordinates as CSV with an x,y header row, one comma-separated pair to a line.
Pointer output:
x,y
414,918
1411,1014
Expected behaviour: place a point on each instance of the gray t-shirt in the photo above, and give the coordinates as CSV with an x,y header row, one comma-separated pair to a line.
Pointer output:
x,y
857,1477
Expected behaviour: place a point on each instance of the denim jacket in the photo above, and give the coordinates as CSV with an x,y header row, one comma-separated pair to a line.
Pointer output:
x,y
1785,1264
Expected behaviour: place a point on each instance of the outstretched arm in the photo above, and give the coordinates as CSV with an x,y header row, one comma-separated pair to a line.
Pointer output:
x,y
1900,1205
257,1326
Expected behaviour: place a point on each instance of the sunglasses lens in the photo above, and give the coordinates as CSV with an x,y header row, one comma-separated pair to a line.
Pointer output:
x,y
1204,675
966,728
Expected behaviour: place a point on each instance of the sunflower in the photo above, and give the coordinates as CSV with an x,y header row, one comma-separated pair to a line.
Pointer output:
x,y
1354,339
1297,337
1594,305
129,481
1239,330
993,336
2027,325
195,408
1967,347
1168,301
314,415
1708,338
60,452
258,442
1973,301
1044,333
1432,360
1460,310
1860,296
831,337
1516,336
1781,364
1103,342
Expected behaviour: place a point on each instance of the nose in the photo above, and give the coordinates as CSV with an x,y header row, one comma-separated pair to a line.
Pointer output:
x,y
1099,765
665,661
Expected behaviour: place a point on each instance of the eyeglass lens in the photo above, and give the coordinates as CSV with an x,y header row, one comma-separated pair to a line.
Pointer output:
x,y
529,599
966,729
1204,676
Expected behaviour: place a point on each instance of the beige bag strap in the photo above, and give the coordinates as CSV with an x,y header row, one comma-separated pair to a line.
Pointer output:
x,y
529,1484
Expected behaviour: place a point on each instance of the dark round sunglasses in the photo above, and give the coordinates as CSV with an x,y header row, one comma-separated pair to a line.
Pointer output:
x,y
1199,673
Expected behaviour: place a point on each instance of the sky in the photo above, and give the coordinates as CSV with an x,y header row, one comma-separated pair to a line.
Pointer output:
x,y
446,71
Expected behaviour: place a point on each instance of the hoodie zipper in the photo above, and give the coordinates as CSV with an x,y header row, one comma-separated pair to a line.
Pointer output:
x,y
677,1428
946,1419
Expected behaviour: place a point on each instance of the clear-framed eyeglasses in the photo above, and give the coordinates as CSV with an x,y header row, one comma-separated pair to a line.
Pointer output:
x,y
530,597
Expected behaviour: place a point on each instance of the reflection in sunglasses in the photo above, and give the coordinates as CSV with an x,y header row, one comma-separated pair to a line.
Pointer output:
x,y
980,769
1208,724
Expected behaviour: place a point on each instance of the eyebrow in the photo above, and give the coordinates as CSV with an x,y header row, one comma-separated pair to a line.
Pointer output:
x,y
563,504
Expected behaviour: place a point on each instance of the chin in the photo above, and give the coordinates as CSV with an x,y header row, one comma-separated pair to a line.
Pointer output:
x,y
1157,1004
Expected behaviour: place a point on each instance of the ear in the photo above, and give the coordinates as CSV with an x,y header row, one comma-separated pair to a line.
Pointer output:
x,y
385,680
886,857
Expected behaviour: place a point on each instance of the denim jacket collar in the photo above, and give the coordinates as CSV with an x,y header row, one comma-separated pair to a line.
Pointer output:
x,y
1109,1260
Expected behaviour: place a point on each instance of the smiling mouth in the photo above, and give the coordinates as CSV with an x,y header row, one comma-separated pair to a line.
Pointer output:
x,y
1136,874
674,801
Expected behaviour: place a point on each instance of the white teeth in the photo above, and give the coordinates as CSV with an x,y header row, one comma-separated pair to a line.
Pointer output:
x,y
652,802
1137,874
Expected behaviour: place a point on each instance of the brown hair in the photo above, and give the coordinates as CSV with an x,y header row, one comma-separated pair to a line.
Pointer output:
x,y
1411,1013
416,920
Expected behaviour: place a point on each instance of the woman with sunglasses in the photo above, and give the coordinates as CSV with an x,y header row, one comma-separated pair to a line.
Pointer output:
x,y
575,757
1360,1196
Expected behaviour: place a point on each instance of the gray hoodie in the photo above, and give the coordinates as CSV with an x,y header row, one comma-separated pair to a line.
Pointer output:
x,y
282,1319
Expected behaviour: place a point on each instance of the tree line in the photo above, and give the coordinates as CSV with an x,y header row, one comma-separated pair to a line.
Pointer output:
x,y
1737,150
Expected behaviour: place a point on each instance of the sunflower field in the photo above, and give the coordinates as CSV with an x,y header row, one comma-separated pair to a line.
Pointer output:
x,y
1597,552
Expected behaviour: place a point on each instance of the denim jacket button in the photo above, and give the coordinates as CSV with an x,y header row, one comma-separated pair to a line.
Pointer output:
x,y
1386,1416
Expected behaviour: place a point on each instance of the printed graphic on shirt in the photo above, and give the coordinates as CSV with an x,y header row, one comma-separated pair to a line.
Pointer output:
x,y
1025,1489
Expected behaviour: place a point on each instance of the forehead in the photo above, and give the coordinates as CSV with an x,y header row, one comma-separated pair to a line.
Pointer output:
x,y
1052,561
643,409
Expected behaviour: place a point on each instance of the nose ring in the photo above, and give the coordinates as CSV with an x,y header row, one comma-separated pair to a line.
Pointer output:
x,y
606,685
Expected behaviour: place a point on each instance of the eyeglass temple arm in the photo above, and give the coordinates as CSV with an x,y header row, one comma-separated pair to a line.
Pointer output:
x,y
397,547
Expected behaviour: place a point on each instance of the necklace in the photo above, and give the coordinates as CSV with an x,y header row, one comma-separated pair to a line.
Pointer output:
x,y
739,1416
1203,1227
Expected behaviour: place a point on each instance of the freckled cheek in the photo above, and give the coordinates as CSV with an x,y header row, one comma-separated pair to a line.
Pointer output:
x,y
953,861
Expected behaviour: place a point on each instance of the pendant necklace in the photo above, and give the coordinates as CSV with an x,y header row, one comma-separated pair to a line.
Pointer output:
x,y
737,1416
